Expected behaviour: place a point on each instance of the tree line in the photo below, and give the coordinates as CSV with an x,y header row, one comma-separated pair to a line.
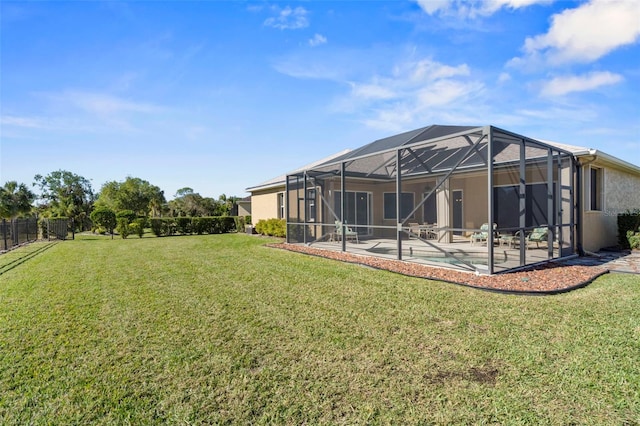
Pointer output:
x,y
66,194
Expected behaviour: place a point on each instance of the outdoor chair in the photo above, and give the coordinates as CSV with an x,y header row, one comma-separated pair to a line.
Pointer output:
x,y
415,229
538,235
348,232
483,235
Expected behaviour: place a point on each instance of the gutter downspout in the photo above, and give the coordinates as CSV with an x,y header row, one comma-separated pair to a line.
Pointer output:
x,y
579,226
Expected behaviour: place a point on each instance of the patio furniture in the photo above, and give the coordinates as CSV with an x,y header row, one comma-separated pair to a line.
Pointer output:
x,y
429,231
483,235
538,235
508,240
415,230
348,232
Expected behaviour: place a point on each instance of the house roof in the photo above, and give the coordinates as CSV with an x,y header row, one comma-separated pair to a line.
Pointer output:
x,y
280,180
594,154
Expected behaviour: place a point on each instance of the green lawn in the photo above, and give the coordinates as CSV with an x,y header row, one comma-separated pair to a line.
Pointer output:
x,y
220,329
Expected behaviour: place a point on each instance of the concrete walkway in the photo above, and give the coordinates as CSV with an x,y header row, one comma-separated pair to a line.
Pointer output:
x,y
623,261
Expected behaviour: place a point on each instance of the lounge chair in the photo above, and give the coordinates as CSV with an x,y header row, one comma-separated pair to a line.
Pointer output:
x,y
348,232
538,235
483,235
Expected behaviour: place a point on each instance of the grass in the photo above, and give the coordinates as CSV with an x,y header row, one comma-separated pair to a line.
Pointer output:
x,y
221,330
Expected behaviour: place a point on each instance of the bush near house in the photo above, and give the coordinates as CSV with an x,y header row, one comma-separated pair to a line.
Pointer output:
x,y
272,227
629,228
634,240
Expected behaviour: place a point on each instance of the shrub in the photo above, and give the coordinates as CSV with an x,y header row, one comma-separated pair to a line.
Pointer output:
x,y
272,227
183,225
239,223
634,240
186,225
247,219
156,226
137,227
123,227
104,218
227,224
628,221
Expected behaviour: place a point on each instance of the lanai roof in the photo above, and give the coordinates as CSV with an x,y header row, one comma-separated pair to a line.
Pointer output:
x,y
436,148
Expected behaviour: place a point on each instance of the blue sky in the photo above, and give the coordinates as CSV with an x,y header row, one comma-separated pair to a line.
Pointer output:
x,y
220,95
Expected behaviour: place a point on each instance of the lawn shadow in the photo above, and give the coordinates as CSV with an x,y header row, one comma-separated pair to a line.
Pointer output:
x,y
27,256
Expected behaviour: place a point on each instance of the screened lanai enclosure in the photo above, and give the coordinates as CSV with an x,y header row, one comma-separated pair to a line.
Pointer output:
x,y
479,199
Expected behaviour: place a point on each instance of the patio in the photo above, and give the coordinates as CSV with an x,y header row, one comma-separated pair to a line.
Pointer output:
x,y
459,254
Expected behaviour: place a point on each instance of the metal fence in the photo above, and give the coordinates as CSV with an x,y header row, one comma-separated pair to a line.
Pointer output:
x,y
17,231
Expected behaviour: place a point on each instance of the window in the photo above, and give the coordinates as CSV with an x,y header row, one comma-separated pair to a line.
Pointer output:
x,y
595,189
406,204
429,211
281,212
506,205
311,205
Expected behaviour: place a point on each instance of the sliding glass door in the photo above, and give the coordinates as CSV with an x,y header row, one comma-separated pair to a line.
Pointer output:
x,y
357,210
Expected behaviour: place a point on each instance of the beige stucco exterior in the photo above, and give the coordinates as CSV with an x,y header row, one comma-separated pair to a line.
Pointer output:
x,y
264,204
620,192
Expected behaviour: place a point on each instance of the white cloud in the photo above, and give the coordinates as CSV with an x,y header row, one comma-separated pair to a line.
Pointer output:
x,y
414,91
473,9
585,34
90,112
317,40
433,6
26,122
288,18
562,85
105,104
504,77
372,91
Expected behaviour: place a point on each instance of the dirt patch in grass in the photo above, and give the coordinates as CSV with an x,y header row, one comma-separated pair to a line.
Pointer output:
x,y
550,278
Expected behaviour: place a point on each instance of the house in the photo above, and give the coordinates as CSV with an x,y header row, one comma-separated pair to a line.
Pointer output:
x,y
242,207
429,195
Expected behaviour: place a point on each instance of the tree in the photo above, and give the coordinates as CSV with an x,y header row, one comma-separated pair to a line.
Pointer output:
x,y
226,204
15,200
189,203
66,195
105,217
133,194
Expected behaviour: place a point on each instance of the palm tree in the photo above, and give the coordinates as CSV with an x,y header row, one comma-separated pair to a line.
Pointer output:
x,y
15,200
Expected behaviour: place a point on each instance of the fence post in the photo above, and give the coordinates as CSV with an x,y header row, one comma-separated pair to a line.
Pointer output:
x,y
4,233
15,232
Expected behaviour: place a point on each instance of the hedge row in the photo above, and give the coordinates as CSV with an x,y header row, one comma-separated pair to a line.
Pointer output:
x,y
165,226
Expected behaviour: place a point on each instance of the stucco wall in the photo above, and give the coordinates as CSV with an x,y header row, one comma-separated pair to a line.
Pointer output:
x,y
621,191
264,204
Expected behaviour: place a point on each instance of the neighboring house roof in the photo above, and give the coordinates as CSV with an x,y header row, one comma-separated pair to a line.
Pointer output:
x,y
280,180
